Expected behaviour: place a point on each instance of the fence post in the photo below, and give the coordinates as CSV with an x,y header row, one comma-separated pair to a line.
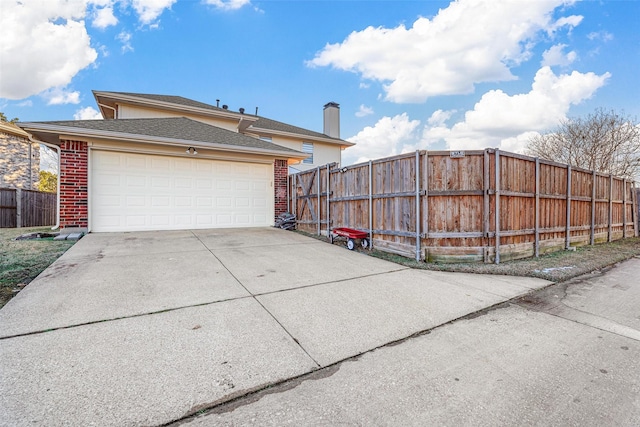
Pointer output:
x,y
624,208
634,208
294,196
487,206
536,248
426,196
593,209
417,178
567,244
610,236
497,192
319,208
370,205
18,207
328,201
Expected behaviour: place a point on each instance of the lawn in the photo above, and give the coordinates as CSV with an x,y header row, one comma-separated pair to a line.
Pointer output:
x,y
22,260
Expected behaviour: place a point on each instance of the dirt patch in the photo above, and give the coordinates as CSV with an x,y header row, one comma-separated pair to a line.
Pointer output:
x,y
21,261
556,267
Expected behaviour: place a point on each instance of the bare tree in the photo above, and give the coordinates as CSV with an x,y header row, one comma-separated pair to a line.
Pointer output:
x,y
48,159
604,141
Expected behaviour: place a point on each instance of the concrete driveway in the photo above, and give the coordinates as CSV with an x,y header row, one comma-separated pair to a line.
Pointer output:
x,y
147,328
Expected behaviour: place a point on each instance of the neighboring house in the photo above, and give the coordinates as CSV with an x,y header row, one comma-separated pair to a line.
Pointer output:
x,y
322,148
19,158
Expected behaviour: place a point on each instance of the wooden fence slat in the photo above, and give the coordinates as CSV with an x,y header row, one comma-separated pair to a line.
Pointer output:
x,y
498,208
536,243
417,184
27,208
568,221
610,235
624,208
486,204
592,234
370,205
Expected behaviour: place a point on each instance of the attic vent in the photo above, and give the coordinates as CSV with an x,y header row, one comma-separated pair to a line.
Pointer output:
x,y
225,107
241,110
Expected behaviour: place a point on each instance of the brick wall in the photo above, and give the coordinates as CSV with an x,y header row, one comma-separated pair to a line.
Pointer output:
x,y
74,159
19,162
280,172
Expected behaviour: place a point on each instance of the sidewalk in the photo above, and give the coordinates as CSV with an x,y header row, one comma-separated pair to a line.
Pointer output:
x,y
147,328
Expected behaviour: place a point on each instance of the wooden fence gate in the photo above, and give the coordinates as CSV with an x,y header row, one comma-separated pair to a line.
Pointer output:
x,y
27,208
455,206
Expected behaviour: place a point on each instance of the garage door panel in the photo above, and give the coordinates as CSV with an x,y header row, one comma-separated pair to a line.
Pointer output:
x,y
146,192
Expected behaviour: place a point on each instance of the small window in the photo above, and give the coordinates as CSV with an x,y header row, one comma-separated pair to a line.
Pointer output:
x,y
307,147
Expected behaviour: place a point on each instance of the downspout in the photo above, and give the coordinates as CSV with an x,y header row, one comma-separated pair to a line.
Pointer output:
x,y
57,225
30,165
115,112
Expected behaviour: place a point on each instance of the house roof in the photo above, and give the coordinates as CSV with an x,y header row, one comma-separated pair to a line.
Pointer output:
x,y
171,99
12,129
180,130
273,125
260,125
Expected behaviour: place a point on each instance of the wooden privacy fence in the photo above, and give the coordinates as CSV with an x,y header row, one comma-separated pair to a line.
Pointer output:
x,y
26,208
454,206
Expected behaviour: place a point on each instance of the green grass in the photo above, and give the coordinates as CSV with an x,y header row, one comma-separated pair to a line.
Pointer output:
x,y
22,260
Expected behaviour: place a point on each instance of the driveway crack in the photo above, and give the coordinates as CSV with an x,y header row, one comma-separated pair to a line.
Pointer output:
x,y
262,305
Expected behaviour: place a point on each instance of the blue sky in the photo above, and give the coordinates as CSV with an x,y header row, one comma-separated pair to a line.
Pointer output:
x,y
407,74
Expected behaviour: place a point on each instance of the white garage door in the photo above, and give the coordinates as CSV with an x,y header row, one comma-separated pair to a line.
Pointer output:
x,y
132,192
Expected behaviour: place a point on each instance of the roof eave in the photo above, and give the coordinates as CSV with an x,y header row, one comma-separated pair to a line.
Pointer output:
x,y
123,136
170,105
327,139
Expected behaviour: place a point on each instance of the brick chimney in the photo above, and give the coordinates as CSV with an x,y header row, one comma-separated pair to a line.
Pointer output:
x,y
332,120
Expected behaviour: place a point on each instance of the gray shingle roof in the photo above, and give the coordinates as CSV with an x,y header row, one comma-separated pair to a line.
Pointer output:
x,y
178,100
262,123
179,128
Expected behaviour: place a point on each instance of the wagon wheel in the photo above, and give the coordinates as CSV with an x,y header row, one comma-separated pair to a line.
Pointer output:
x,y
364,243
351,244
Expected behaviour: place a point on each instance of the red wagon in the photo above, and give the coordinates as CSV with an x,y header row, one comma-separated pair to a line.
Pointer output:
x,y
352,235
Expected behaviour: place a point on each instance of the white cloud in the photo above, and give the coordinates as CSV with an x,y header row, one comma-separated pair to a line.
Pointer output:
x,y
600,35
44,44
87,113
502,120
59,96
389,136
566,21
125,38
27,103
103,17
228,4
468,42
149,10
439,117
555,56
364,111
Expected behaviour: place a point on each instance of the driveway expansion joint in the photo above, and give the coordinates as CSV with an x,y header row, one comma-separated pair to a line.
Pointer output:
x,y
252,396
131,316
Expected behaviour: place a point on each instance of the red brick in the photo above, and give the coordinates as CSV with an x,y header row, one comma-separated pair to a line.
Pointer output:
x,y
74,197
